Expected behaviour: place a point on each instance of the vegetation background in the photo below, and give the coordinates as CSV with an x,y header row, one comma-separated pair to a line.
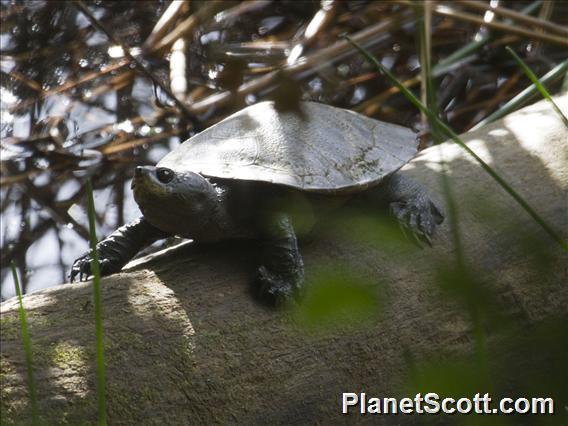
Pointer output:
x,y
75,107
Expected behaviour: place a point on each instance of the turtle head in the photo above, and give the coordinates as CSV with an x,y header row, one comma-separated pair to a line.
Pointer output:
x,y
180,203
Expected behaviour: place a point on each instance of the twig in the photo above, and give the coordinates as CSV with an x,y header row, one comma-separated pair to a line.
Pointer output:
x,y
474,46
491,103
445,10
188,25
516,16
311,63
32,84
454,137
12,249
69,85
113,149
532,76
94,21
167,18
523,97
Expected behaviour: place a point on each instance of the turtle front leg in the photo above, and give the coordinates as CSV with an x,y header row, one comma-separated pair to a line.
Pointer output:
x,y
118,248
410,204
280,277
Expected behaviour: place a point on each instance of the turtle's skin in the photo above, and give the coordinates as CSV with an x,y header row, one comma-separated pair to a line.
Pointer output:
x,y
245,177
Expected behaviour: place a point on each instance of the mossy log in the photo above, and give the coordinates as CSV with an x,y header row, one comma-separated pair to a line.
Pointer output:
x,y
186,343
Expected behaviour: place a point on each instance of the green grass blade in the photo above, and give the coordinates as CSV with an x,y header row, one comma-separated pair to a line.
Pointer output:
x,y
451,134
95,269
522,98
429,98
424,30
27,348
532,76
564,87
429,92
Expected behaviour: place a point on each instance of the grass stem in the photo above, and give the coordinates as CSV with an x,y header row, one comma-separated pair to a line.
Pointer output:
x,y
95,269
452,135
532,76
27,348
522,98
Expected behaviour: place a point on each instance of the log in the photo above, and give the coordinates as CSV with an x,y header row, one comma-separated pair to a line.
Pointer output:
x,y
186,343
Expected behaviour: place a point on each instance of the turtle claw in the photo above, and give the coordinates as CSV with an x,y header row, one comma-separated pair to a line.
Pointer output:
x,y
418,215
427,239
405,230
81,268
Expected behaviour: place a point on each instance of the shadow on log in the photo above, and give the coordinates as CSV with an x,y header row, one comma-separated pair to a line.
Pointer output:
x,y
187,344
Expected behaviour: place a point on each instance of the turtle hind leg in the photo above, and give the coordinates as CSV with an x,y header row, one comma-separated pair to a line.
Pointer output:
x,y
280,276
410,205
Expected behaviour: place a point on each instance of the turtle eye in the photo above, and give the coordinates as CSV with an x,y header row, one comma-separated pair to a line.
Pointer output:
x,y
164,175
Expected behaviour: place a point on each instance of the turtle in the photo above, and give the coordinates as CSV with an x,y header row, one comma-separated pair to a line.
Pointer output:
x,y
244,178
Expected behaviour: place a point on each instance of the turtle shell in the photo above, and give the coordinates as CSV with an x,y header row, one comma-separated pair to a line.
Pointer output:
x,y
319,149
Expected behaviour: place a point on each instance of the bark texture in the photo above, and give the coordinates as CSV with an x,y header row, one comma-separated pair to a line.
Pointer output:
x,y
187,344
